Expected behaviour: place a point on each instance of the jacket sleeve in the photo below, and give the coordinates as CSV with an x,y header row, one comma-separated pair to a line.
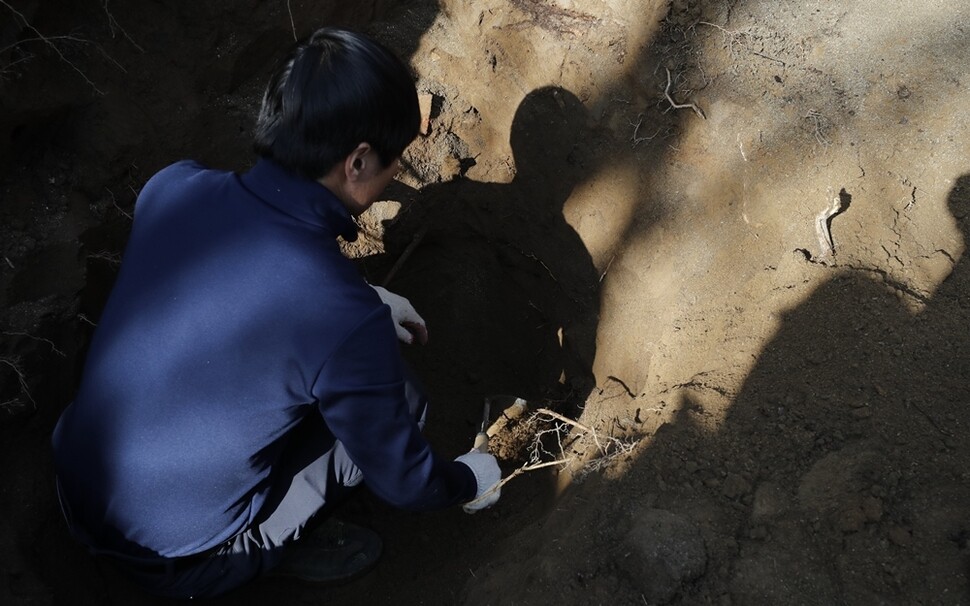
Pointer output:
x,y
361,394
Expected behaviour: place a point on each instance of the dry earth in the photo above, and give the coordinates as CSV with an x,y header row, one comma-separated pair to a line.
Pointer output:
x,y
724,237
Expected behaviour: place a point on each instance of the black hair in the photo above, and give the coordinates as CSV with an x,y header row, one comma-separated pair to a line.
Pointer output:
x,y
334,90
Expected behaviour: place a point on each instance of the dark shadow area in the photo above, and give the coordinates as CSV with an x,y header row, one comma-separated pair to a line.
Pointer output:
x,y
848,439
499,262
511,299
167,82
838,476
507,286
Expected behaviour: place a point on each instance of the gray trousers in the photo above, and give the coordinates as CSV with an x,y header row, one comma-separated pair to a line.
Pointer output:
x,y
309,483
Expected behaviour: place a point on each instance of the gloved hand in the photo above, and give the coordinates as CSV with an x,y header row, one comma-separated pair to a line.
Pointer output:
x,y
408,324
487,476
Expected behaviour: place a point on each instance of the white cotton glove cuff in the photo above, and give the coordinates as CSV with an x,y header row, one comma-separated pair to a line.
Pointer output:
x,y
402,312
487,475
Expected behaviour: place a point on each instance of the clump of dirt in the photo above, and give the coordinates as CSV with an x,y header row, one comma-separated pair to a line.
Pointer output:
x,y
622,211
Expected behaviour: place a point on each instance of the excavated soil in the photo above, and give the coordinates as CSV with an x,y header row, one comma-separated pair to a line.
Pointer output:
x,y
720,243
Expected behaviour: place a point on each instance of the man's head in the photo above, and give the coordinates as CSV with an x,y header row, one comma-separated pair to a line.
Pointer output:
x,y
333,92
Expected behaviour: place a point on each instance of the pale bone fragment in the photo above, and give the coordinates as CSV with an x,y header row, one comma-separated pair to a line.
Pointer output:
x,y
823,224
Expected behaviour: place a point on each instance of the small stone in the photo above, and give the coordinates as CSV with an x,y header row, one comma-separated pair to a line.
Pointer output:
x,y
769,500
872,508
664,551
851,520
735,486
758,533
424,106
862,413
900,536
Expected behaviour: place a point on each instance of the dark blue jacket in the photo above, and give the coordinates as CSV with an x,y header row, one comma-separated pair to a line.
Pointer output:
x,y
233,317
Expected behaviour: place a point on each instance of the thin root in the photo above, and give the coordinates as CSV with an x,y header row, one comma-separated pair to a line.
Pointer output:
x,y
14,364
538,451
576,424
635,138
675,105
50,42
289,10
41,339
115,26
819,121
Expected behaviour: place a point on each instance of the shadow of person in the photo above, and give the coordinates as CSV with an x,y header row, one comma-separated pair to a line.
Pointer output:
x,y
944,331
506,285
844,456
839,474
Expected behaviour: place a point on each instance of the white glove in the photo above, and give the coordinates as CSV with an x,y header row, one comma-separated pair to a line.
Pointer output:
x,y
408,324
487,476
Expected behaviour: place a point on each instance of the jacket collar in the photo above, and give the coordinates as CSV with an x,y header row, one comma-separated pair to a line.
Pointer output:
x,y
300,198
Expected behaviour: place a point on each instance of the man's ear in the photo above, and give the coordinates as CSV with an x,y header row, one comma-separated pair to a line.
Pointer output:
x,y
355,164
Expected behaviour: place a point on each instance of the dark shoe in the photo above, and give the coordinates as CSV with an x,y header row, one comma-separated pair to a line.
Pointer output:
x,y
337,552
